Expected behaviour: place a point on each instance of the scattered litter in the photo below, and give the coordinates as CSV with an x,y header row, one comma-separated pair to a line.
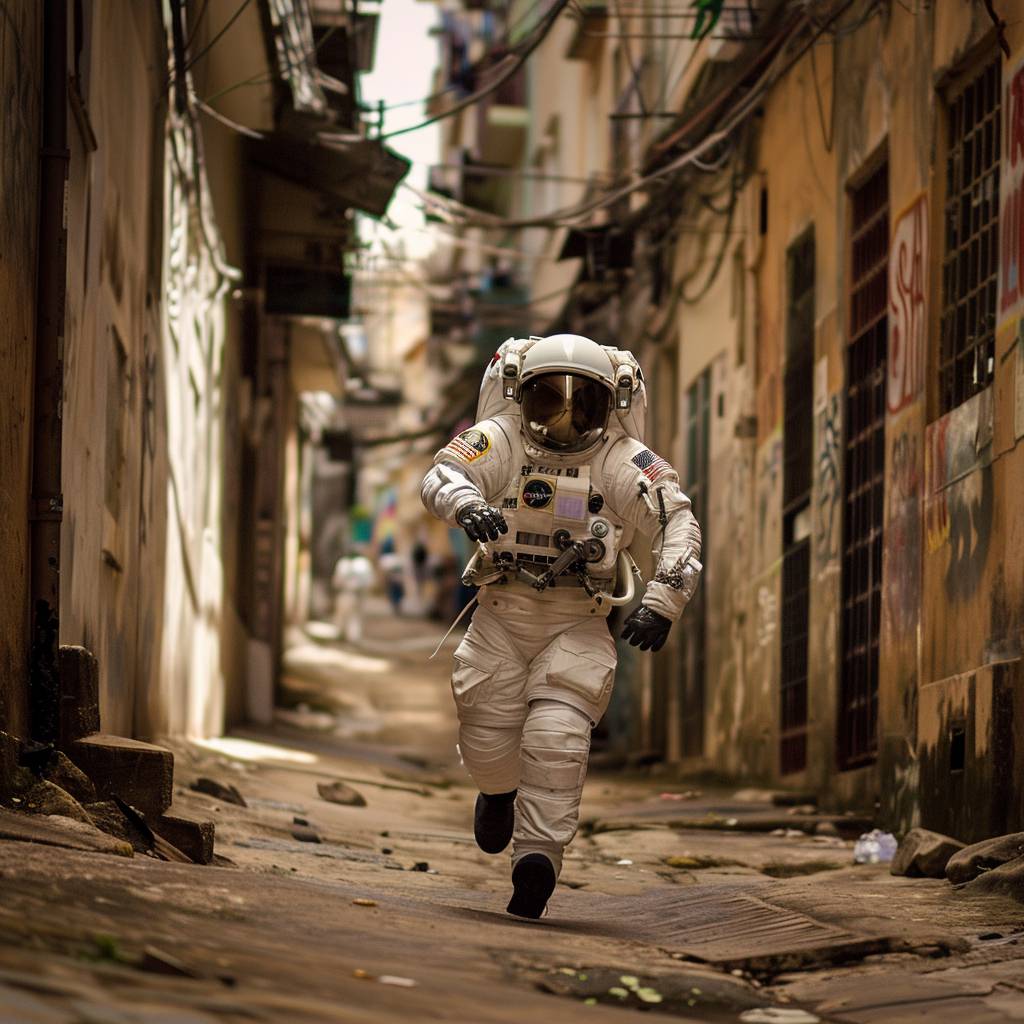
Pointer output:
x,y
649,995
362,975
224,792
788,833
875,847
619,992
629,980
689,794
778,1015
340,793
624,862
157,962
420,865
591,1001
362,901
394,979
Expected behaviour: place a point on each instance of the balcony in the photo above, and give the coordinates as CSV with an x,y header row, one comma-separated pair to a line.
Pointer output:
x,y
502,118
588,40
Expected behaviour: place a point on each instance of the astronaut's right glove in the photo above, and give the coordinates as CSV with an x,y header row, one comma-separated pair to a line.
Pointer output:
x,y
481,522
646,629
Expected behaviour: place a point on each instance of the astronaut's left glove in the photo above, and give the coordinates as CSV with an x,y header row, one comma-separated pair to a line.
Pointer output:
x,y
646,629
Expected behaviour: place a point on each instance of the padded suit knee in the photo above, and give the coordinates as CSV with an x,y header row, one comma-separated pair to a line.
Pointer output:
x,y
555,748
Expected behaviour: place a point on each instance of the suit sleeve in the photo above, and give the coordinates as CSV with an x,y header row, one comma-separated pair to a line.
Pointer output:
x,y
471,468
645,492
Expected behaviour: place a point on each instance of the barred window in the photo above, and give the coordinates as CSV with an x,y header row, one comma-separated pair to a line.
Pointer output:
x,y
970,263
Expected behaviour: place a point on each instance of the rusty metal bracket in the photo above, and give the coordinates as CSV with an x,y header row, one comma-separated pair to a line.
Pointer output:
x,y
51,508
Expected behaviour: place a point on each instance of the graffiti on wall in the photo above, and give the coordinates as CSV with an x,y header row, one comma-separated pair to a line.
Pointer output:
x,y
903,533
960,499
769,483
827,473
1011,196
908,309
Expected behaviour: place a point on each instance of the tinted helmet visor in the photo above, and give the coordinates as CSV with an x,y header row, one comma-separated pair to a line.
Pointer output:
x,y
564,413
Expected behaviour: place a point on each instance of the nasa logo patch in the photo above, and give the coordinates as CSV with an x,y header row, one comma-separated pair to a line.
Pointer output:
x,y
537,493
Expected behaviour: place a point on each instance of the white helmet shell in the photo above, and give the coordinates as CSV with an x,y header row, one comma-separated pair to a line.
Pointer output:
x,y
568,353
566,394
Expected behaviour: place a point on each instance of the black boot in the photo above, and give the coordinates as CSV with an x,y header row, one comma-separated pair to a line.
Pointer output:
x,y
494,820
533,880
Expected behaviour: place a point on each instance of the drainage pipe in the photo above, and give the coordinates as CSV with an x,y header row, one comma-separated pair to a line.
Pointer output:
x,y
48,386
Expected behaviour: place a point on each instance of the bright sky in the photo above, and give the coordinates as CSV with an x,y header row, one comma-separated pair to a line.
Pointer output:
x,y
403,70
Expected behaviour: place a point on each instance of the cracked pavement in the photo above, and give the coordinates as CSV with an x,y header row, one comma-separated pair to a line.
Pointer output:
x,y
395,915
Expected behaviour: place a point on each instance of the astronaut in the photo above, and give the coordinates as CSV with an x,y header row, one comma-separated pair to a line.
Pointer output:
x,y
552,482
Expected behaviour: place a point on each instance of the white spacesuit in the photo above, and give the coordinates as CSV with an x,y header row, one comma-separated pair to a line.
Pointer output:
x,y
552,482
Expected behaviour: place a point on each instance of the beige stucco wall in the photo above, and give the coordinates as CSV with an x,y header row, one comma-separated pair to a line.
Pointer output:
x,y
151,409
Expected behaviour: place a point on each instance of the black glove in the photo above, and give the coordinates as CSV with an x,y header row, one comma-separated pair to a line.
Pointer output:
x,y
481,522
646,629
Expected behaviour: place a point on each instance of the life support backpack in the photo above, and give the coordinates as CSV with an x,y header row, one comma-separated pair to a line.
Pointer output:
x,y
500,385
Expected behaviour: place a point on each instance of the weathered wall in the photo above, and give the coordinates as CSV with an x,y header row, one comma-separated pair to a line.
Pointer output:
x,y
20,69
971,701
150,396
114,416
798,168
952,607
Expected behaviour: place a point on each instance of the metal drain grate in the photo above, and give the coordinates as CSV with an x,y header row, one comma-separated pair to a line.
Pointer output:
x,y
736,929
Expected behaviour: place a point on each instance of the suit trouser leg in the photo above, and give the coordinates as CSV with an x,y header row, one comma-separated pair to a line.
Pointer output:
x,y
488,683
491,756
555,748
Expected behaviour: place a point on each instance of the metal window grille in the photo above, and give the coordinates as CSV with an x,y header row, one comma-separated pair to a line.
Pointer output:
x,y
970,265
864,472
796,579
798,431
695,621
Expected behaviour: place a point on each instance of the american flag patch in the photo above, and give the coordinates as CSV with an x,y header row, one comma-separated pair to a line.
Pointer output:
x,y
469,445
653,466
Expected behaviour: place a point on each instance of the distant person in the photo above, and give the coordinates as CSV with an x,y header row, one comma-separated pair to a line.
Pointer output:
x,y
392,567
352,579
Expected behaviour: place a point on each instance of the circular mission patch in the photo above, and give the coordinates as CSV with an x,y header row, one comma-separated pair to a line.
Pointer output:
x,y
537,493
476,439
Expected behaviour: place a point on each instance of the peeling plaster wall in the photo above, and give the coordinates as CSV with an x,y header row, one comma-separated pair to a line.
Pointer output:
x,y
20,70
952,609
971,701
146,412
798,170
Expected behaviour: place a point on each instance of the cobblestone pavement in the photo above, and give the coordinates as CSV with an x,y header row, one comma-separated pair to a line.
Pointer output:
x,y
702,904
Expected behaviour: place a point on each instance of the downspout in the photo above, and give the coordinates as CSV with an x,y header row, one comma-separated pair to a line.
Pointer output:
x,y
48,385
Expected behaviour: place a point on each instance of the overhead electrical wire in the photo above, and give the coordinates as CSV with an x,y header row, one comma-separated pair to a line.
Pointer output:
x,y
571,216
218,36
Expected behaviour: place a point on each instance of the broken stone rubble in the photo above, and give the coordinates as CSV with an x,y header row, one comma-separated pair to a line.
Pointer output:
x,y
924,854
989,854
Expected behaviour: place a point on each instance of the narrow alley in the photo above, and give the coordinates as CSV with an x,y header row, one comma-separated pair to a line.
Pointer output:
x,y
679,897
511,509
